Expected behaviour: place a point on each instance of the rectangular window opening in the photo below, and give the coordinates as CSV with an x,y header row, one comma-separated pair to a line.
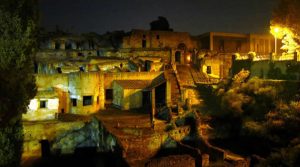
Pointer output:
x,y
87,100
108,94
43,104
74,102
208,71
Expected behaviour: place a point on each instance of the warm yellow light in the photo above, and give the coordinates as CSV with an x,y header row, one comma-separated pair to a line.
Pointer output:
x,y
277,31
33,105
188,58
289,44
53,104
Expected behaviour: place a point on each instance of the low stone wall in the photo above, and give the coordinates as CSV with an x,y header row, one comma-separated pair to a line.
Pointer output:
x,y
174,161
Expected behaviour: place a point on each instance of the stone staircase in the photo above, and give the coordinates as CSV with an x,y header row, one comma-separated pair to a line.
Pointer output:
x,y
185,77
199,77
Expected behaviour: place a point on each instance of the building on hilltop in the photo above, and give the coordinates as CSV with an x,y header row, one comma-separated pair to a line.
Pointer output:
x,y
180,44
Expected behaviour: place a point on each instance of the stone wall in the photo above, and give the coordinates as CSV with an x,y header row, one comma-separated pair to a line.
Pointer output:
x,y
75,86
158,39
133,99
266,69
174,161
85,84
66,137
110,77
128,53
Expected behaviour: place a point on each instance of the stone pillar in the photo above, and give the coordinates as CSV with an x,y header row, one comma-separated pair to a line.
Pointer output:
x,y
211,42
205,160
101,92
52,44
152,108
295,56
168,93
63,44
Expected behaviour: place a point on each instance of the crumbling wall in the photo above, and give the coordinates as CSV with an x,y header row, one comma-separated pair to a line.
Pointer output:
x,y
66,137
158,39
174,161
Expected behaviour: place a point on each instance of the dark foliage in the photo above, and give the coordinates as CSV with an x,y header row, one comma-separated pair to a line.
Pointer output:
x,y
17,42
161,24
258,115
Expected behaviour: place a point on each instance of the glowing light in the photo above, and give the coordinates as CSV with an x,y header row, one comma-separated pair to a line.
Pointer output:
x,y
33,105
53,104
289,45
188,58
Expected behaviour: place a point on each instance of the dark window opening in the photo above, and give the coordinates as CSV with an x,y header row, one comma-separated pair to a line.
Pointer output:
x,y
74,102
79,54
36,67
144,43
157,36
43,104
59,70
68,46
87,100
177,56
208,70
221,47
81,69
78,45
147,99
108,94
57,45
144,36
62,111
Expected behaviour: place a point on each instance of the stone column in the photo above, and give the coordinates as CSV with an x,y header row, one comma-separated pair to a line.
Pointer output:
x,y
168,93
63,44
101,92
152,108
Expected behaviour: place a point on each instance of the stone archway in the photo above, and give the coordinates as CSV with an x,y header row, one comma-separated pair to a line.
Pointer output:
x,y
182,47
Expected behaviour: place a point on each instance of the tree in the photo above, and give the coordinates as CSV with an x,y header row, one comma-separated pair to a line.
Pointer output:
x,y
287,14
17,42
161,24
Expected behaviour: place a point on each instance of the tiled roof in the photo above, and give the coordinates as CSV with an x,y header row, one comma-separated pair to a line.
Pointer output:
x,y
157,81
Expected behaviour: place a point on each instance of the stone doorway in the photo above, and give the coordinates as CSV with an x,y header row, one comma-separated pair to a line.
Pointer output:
x,y
177,56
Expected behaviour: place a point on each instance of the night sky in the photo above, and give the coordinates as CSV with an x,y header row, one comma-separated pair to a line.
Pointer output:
x,y
194,16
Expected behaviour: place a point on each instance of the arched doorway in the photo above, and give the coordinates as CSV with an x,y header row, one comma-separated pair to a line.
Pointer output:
x,y
181,46
177,56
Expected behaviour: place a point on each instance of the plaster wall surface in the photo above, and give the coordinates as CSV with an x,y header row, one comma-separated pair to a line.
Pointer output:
x,y
158,39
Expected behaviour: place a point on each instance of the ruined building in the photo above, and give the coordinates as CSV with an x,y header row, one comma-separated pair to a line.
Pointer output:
x,y
75,74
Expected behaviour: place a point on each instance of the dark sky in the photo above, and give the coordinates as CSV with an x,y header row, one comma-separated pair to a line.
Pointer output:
x,y
194,16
